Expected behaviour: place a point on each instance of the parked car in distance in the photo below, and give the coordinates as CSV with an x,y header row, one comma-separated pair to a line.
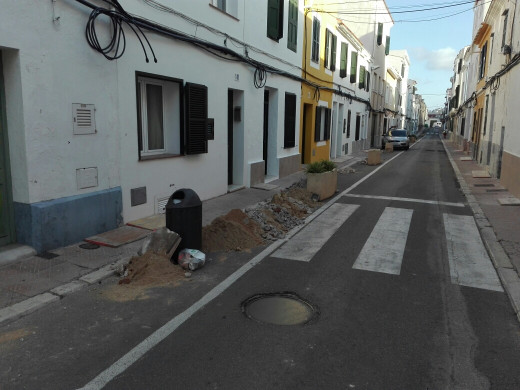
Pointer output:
x,y
398,138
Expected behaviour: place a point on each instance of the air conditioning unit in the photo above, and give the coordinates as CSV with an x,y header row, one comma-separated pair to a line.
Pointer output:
x,y
506,49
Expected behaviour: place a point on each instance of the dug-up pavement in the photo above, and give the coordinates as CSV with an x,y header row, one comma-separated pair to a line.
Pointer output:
x,y
28,281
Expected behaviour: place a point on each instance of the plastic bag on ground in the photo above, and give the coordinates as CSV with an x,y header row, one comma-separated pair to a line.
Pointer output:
x,y
191,259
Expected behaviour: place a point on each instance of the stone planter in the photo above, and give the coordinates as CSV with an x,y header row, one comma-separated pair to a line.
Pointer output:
x,y
323,184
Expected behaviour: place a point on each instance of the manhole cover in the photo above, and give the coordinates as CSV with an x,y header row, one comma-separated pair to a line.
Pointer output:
x,y
88,245
284,308
47,255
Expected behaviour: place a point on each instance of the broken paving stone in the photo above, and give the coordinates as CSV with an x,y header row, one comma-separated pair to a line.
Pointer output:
x,y
161,242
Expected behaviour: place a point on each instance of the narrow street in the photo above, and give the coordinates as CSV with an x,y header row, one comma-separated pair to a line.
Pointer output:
x,y
401,300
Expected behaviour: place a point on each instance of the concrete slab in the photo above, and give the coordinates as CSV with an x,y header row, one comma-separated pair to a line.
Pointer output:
x,y
15,252
511,282
120,236
152,222
265,186
510,201
495,250
65,272
69,288
8,298
25,307
465,158
480,174
99,275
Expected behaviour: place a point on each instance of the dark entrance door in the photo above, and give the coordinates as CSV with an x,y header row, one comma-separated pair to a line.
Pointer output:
x,y
230,136
306,113
266,129
6,221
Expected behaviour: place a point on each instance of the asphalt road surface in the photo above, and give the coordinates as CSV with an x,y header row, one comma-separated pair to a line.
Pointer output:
x,y
404,297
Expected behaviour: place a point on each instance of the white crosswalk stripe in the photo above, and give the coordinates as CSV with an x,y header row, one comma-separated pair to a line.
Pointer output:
x,y
311,239
470,264
384,249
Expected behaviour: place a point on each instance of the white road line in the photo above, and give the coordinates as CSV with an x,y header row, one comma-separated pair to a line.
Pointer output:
x,y
470,264
436,202
310,240
384,249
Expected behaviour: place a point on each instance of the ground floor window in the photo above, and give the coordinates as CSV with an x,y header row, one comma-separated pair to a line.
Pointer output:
x,y
322,126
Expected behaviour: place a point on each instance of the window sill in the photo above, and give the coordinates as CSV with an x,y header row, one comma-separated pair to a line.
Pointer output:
x,y
224,12
159,156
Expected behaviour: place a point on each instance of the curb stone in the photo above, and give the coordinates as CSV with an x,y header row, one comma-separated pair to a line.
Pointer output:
x,y
20,309
28,306
505,269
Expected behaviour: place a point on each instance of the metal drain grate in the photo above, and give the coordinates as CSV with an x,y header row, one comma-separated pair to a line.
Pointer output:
x,y
285,308
497,190
484,185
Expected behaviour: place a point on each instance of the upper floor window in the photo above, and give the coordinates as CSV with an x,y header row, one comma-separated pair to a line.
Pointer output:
x,y
353,67
362,73
292,25
228,6
482,64
387,46
379,34
315,48
275,19
504,29
330,50
343,60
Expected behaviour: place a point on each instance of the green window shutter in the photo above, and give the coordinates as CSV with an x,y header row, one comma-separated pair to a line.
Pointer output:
x,y
333,53
343,60
292,25
196,107
379,34
274,25
361,77
327,44
368,82
353,67
387,47
290,121
315,52
317,124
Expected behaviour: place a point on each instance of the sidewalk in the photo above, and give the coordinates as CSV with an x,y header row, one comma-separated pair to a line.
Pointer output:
x,y
32,281
497,214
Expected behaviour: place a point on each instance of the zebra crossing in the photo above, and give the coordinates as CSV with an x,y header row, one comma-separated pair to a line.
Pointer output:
x,y
384,249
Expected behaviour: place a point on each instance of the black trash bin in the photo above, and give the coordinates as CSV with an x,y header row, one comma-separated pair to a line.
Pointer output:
x,y
184,217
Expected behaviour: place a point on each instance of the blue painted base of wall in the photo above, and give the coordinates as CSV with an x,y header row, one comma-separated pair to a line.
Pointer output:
x,y
60,222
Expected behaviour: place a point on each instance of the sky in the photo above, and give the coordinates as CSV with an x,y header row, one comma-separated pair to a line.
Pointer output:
x,y
432,45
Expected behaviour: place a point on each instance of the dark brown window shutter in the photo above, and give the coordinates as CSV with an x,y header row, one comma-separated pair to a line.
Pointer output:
x,y
290,121
333,53
328,113
196,98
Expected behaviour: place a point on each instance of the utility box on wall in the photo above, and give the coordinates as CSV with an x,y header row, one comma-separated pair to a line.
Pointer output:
x,y
84,119
86,178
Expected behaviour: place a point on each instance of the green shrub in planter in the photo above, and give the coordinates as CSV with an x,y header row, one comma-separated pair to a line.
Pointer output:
x,y
320,166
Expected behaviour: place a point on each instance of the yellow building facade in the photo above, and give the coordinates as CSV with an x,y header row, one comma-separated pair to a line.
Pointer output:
x,y
318,64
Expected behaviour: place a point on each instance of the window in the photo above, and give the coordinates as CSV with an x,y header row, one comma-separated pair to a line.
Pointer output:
x,y
330,50
379,34
353,67
482,65
322,125
358,126
159,116
275,19
504,29
459,66
343,60
402,70
492,37
228,6
368,82
387,46
361,77
315,51
290,121
292,25
349,118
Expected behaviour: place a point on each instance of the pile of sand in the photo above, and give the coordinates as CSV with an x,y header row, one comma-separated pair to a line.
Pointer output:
x,y
233,231
151,269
